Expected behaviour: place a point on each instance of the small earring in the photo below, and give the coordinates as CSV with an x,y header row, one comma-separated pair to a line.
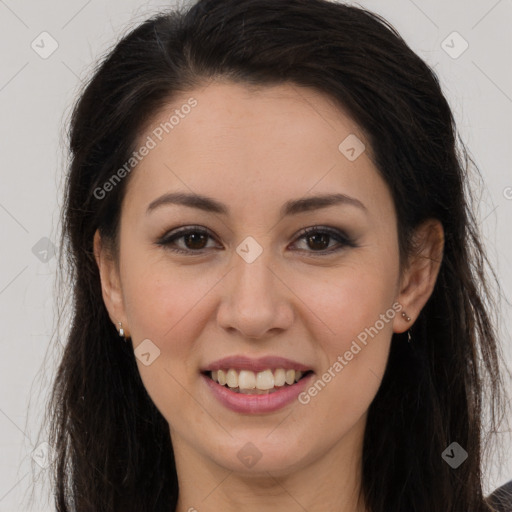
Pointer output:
x,y
406,316
121,330
407,319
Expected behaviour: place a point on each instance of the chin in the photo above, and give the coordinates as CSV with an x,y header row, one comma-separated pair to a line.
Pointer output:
x,y
258,455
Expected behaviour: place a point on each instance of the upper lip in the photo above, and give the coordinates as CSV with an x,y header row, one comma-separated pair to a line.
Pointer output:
x,y
240,362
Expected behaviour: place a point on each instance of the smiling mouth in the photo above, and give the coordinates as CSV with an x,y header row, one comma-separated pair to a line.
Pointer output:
x,y
256,383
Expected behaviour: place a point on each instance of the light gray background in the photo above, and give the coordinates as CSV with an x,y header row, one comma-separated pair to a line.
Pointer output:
x,y
35,97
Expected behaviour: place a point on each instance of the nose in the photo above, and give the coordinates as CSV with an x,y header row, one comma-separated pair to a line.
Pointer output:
x,y
255,302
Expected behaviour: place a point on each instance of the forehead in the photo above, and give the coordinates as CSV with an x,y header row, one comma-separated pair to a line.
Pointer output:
x,y
226,111
259,143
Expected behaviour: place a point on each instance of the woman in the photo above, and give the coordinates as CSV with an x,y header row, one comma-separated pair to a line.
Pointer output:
x,y
279,291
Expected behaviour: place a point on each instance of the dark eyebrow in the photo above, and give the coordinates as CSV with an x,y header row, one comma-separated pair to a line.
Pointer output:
x,y
292,207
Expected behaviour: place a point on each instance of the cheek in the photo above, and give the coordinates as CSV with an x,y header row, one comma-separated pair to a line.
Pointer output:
x,y
156,293
356,313
167,306
351,297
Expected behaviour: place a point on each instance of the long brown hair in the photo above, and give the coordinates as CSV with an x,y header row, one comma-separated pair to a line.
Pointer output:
x,y
113,446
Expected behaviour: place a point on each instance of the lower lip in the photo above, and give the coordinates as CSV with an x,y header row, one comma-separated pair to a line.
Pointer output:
x,y
257,404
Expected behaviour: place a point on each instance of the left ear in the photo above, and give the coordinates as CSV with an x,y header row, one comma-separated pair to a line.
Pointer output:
x,y
110,283
420,275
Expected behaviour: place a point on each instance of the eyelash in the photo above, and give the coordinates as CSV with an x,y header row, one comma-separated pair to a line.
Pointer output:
x,y
339,236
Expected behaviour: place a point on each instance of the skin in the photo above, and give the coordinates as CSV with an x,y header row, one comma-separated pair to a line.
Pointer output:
x,y
253,150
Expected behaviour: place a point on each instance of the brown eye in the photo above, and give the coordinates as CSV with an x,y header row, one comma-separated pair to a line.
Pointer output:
x,y
194,240
317,239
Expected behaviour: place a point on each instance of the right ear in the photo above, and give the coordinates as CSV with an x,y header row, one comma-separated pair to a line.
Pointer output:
x,y
110,283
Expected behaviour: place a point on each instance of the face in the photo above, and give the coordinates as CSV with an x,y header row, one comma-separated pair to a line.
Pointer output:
x,y
238,278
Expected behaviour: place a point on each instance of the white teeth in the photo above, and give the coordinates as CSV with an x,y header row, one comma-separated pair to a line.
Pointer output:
x,y
264,380
279,377
221,377
232,378
249,382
